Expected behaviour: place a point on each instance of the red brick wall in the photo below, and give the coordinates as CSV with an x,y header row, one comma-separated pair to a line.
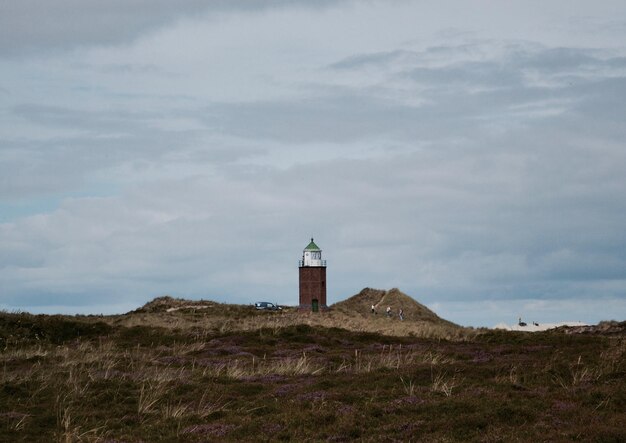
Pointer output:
x,y
312,285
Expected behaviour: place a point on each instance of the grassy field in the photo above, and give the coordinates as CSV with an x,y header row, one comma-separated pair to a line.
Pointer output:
x,y
228,373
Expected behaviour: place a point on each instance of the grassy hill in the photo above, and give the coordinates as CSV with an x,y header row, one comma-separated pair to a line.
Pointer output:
x,y
177,370
361,303
353,314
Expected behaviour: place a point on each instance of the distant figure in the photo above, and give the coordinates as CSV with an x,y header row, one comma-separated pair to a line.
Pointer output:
x,y
401,314
520,322
535,323
373,309
388,311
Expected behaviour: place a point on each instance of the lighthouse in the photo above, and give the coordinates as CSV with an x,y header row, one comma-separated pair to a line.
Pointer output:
x,y
312,279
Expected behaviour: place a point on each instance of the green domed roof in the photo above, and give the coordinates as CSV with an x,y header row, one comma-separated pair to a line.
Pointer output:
x,y
312,246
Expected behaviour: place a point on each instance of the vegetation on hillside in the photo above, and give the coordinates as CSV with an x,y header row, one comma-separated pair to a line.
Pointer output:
x,y
154,375
361,304
353,314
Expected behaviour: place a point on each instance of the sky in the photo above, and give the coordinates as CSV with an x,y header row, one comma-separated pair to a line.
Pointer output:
x,y
471,154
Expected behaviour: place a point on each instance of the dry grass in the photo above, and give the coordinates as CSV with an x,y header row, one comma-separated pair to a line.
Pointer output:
x,y
238,369
389,357
443,383
150,394
409,386
216,323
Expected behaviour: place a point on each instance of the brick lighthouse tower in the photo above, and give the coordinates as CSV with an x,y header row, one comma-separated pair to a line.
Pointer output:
x,y
312,279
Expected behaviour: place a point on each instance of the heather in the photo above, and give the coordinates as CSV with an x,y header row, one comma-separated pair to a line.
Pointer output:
x,y
233,374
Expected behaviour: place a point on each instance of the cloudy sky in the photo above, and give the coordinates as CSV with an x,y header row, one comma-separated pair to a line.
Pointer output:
x,y
472,154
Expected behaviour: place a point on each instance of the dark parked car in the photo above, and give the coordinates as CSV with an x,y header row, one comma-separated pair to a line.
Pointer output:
x,y
264,305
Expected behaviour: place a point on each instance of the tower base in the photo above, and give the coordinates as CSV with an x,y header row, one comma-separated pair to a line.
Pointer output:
x,y
313,288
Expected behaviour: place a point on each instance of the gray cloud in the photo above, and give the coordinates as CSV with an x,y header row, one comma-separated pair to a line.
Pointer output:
x,y
29,26
129,142
380,58
461,99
